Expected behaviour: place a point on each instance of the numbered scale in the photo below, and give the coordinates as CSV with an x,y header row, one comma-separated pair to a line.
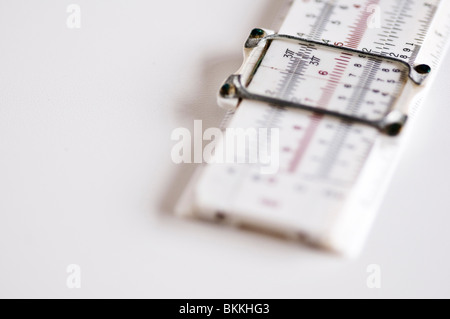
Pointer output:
x,y
341,81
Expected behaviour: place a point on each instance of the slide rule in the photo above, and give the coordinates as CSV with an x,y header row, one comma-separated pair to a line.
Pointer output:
x,y
341,82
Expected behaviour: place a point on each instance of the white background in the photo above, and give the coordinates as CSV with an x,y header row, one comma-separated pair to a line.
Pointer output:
x,y
86,176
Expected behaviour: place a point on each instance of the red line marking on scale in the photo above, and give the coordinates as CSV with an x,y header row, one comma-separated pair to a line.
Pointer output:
x,y
269,202
353,40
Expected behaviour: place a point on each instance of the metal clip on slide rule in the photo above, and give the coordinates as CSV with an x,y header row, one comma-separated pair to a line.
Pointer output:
x,y
235,89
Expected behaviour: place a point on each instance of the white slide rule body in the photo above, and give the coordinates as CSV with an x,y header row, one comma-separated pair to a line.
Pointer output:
x,y
332,172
